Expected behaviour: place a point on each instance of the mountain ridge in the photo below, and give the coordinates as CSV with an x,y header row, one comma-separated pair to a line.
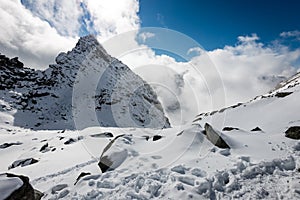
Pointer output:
x,y
46,99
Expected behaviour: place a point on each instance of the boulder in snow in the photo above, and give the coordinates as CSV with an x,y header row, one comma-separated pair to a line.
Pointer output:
x,y
112,156
293,132
17,187
214,137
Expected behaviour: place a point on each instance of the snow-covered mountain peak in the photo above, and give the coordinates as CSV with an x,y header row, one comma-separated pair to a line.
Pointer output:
x,y
86,47
88,41
89,44
86,84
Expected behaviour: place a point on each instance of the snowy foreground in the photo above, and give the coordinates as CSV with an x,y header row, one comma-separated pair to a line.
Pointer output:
x,y
181,164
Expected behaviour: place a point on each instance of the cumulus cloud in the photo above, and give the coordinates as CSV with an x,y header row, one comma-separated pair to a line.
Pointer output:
x,y
242,71
64,16
250,68
247,38
29,37
112,17
38,30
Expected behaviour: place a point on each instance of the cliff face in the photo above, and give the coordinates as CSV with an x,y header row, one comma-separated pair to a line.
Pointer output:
x,y
86,87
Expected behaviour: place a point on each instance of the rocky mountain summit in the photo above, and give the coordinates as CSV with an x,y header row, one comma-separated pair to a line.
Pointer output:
x,y
86,87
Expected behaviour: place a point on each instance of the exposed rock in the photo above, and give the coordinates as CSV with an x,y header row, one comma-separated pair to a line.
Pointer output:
x,y
70,141
23,162
236,105
17,187
103,135
156,137
293,132
82,174
228,128
38,195
6,145
44,147
180,133
197,119
256,129
282,94
214,137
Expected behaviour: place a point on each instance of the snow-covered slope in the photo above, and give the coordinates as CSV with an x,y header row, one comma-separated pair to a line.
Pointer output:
x,y
174,163
86,87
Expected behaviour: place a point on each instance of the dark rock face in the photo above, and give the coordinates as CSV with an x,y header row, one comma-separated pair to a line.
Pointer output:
x,y
293,132
13,74
214,137
23,192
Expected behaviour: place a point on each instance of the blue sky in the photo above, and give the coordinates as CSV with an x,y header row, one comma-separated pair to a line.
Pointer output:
x,y
216,23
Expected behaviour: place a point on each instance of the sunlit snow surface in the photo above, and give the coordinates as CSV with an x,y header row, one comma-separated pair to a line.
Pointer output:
x,y
183,164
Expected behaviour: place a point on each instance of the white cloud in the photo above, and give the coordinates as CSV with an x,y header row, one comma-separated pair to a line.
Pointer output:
x,y
28,37
145,35
248,39
247,69
196,50
291,34
39,33
62,15
112,17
